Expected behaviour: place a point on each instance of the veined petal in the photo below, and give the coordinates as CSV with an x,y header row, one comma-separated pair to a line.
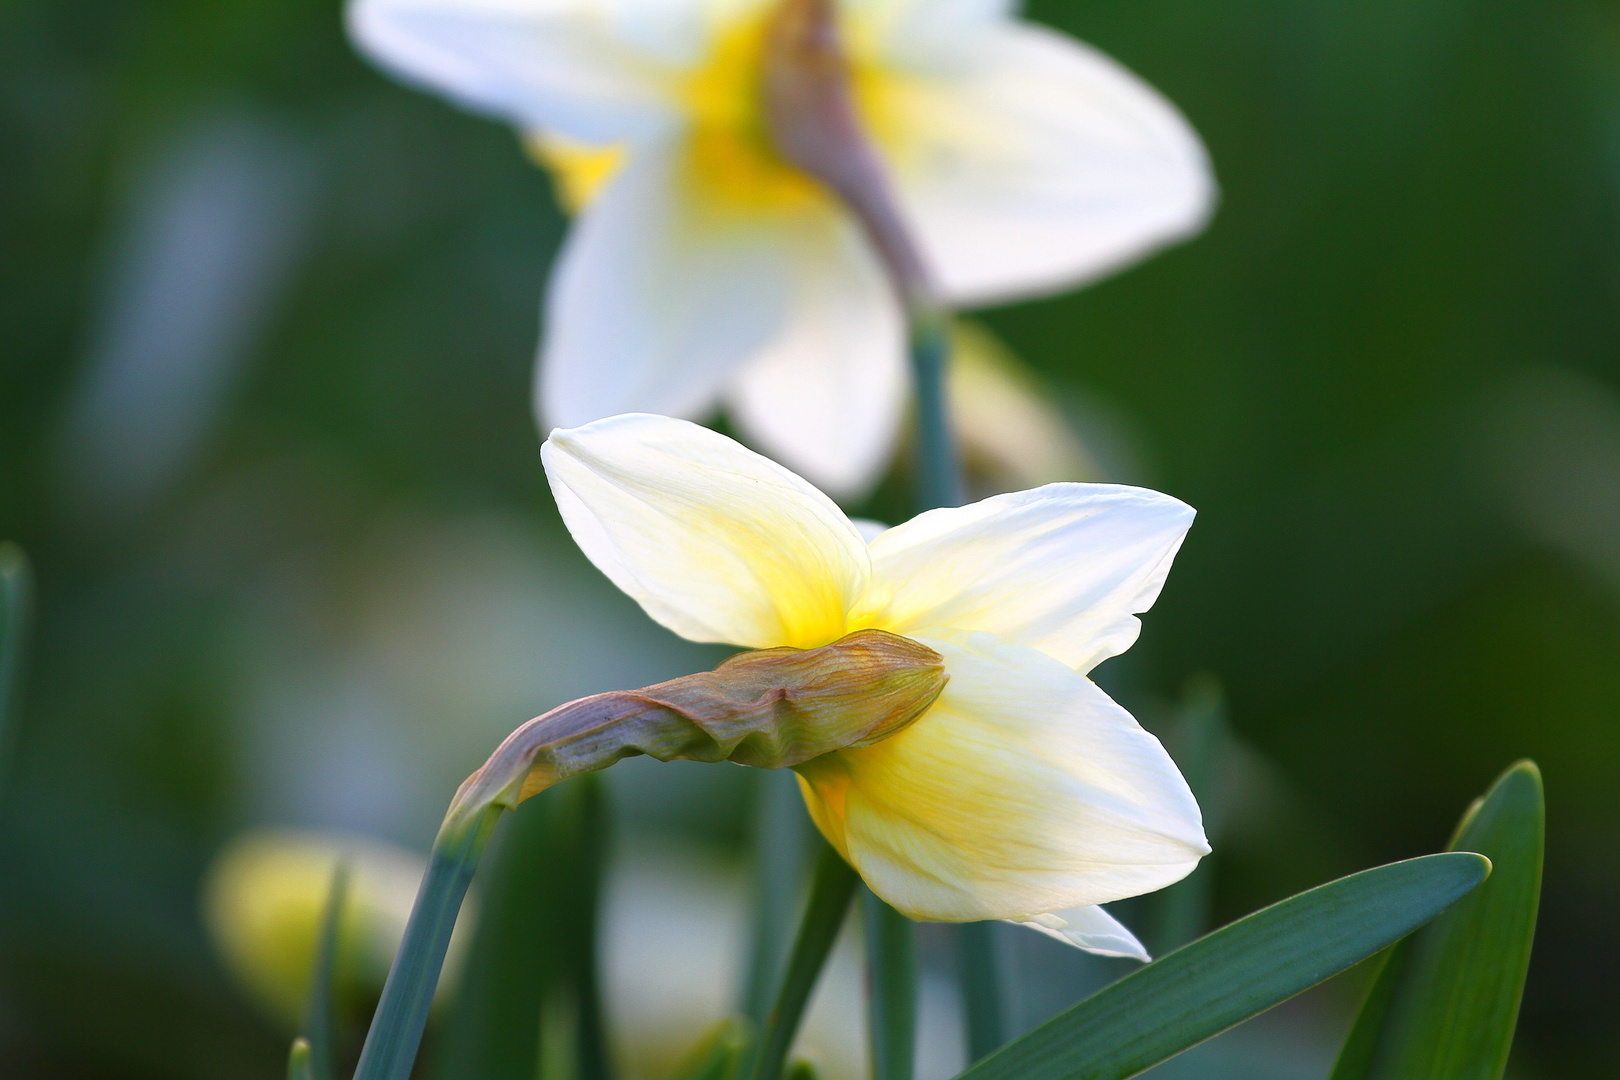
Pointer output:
x,y
714,541
566,65
1024,790
658,296
1062,568
826,395
1031,163
1091,929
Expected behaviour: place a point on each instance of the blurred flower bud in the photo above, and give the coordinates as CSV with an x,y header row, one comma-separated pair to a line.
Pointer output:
x,y
263,901
772,708
1011,435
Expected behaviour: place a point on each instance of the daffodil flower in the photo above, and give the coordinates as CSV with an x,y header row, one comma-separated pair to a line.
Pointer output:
x,y
704,269
1022,792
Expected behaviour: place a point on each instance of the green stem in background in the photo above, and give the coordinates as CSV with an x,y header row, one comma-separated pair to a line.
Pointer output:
x,y
1199,743
396,1030
830,891
782,836
937,479
891,972
16,614
298,1060
982,1000
320,1023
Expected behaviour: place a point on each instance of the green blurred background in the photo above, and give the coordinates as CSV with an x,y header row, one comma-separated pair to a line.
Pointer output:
x,y
266,328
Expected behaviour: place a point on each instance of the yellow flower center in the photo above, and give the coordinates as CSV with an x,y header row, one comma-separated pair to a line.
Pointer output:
x,y
730,159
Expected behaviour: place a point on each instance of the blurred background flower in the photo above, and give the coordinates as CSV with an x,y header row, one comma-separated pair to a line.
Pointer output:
x,y
705,268
302,518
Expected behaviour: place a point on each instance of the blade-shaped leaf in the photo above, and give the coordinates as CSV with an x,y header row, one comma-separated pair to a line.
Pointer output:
x,y
1445,1004
1230,975
321,1021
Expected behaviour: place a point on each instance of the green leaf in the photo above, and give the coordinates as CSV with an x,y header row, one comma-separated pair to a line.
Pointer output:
x,y
891,966
1230,975
1445,1004
321,1023
532,953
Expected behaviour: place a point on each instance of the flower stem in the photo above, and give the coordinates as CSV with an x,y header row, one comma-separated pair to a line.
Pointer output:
x,y
891,971
830,893
396,1030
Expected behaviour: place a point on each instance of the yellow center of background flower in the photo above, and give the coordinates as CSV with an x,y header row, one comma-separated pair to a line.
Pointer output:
x,y
730,160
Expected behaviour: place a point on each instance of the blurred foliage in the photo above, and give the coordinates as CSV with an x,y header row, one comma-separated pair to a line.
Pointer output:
x,y
310,573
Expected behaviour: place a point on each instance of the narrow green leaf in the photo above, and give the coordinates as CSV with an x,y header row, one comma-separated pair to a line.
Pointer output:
x,y
535,930
298,1060
321,1021
891,966
983,1003
1445,1005
16,615
722,1054
802,1070
1230,975
830,891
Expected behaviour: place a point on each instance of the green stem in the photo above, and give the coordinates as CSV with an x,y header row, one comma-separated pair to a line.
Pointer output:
x,y
16,612
891,971
981,989
782,834
938,479
396,1030
830,893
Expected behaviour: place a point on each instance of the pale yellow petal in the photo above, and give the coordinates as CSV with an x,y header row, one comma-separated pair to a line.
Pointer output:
x,y
714,541
1024,790
1063,568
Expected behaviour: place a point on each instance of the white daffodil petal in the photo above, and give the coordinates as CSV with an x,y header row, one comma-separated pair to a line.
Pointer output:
x,y
1024,790
826,394
1062,568
1089,928
658,297
714,541
1035,163
558,65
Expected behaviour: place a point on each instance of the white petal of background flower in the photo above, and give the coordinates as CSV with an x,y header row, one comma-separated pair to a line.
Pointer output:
x,y
652,309
1024,790
1062,568
563,65
1038,164
825,395
715,541
1090,928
